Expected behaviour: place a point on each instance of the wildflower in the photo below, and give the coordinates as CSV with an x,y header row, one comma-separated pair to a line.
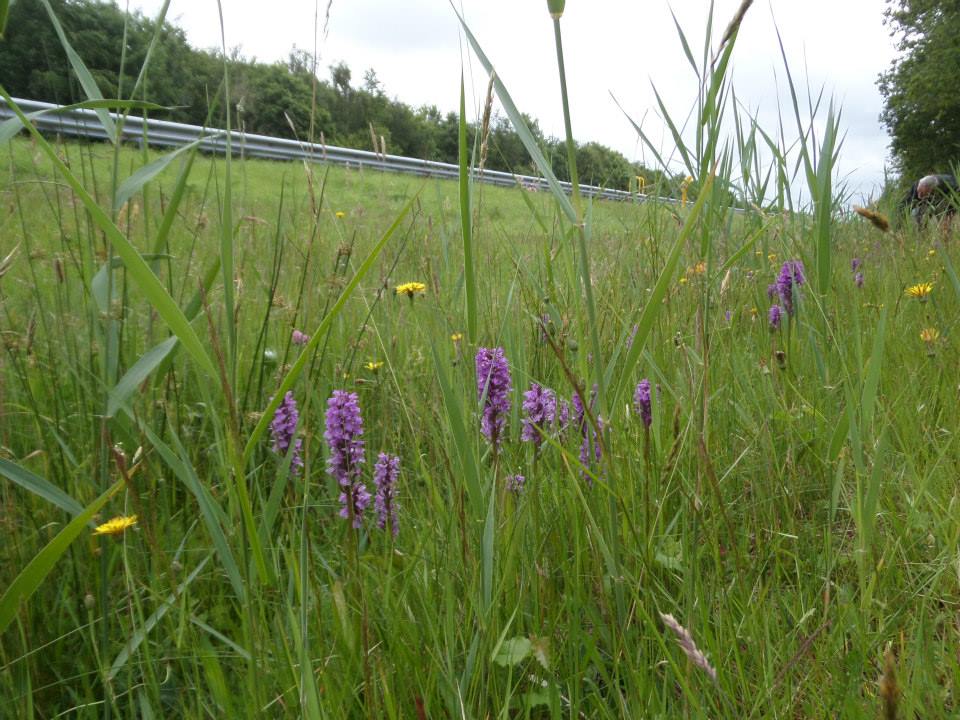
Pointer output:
x,y
772,257
515,483
343,432
374,365
728,316
494,388
858,279
855,264
540,405
282,429
641,401
116,526
683,281
700,268
385,473
300,338
929,335
689,647
754,313
456,337
774,317
931,252
411,288
920,291
790,274
589,435
563,415
340,214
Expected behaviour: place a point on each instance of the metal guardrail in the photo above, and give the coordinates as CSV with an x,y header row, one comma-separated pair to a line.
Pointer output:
x,y
50,118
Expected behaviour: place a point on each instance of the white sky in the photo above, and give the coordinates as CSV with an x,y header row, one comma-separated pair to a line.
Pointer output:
x,y
618,46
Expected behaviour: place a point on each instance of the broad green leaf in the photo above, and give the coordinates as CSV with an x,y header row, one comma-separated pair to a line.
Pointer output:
x,y
30,578
513,652
39,486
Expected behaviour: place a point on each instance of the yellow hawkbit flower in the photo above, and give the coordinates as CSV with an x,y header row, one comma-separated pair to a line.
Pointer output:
x,y
754,312
683,281
700,268
931,253
772,257
116,526
374,365
411,288
929,335
340,214
920,291
457,337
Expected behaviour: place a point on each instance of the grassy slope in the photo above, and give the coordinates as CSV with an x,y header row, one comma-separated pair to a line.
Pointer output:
x,y
755,543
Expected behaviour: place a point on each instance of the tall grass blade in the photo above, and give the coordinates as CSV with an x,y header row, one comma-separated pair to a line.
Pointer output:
x,y
37,569
41,487
87,82
470,280
139,271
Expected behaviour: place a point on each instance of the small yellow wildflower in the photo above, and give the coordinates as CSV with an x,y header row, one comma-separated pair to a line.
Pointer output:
x,y
920,291
411,288
754,312
340,214
374,365
758,253
700,268
683,281
116,526
772,257
931,253
929,335
457,337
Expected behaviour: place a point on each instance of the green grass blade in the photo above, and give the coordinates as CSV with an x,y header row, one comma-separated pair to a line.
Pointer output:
x,y
141,633
4,16
139,271
523,132
872,381
37,569
654,303
140,371
133,184
470,280
316,337
10,127
39,486
87,82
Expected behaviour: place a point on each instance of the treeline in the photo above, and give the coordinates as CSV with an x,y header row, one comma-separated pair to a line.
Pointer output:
x,y
281,99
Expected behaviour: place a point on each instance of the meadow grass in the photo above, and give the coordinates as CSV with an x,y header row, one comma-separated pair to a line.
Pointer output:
x,y
791,506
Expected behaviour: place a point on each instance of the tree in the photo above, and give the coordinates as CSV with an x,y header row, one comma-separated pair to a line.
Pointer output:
x,y
922,87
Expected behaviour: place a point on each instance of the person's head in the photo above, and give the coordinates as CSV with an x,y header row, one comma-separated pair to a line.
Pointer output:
x,y
926,185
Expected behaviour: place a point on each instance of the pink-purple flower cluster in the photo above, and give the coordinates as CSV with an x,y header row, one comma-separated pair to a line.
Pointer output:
x,y
493,389
642,402
855,266
385,473
343,432
774,317
283,427
540,406
588,434
791,274
299,338
515,483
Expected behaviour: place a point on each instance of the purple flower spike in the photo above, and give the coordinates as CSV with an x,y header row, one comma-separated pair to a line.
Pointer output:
x,y
790,274
385,474
855,264
858,279
299,338
641,401
282,429
775,316
586,432
515,483
343,431
494,388
540,405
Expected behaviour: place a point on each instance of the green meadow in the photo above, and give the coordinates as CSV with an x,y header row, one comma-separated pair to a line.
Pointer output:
x,y
776,537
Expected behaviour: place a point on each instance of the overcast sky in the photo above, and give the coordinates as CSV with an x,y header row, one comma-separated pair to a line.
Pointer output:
x,y
624,47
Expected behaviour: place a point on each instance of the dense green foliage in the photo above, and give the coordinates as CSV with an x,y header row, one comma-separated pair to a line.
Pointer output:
x,y
922,87
274,99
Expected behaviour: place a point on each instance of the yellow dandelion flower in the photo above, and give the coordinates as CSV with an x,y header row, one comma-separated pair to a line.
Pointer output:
x,y
340,214
457,337
929,335
411,288
116,526
374,365
920,291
